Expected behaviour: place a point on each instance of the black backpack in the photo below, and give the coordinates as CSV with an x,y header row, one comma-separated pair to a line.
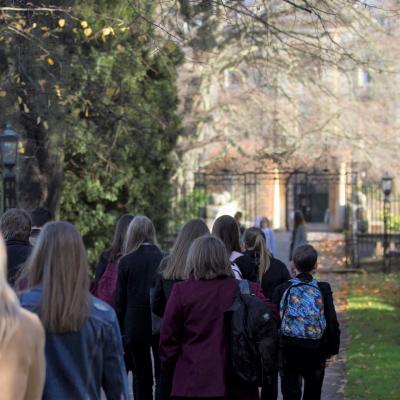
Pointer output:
x,y
253,336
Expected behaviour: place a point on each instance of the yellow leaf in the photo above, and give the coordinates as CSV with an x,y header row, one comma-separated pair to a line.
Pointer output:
x,y
3,93
26,108
19,100
106,31
123,28
21,148
50,61
46,125
58,90
22,22
38,120
84,24
110,92
44,28
61,23
88,32
120,48
34,25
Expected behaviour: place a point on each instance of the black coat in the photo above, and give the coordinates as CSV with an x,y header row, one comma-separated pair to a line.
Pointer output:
x,y
18,252
248,268
331,339
136,275
277,274
162,291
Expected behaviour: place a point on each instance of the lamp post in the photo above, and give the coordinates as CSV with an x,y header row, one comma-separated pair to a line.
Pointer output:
x,y
387,187
9,153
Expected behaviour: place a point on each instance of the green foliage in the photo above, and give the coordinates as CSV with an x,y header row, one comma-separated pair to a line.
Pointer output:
x,y
191,206
394,223
374,325
102,103
119,158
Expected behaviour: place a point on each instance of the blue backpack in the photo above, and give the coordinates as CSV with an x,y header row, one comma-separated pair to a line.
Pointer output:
x,y
302,314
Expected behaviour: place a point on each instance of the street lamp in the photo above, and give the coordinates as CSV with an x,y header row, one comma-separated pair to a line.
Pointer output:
x,y
387,187
9,154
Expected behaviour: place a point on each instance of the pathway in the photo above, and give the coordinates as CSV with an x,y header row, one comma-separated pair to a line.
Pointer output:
x,y
331,249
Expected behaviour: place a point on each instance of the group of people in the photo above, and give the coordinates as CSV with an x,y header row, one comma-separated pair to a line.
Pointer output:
x,y
162,317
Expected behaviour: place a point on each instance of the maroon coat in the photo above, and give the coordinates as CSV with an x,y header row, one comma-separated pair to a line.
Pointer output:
x,y
193,344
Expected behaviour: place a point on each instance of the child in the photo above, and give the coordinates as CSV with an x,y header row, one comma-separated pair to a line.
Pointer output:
x,y
309,331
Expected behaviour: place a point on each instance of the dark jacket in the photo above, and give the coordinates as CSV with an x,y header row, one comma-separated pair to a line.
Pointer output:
x,y
79,364
331,340
136,275
277,274
162,290
18,252
194,343
247,267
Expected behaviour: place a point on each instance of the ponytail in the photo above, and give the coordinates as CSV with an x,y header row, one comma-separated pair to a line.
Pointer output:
x,y
264,256
254,239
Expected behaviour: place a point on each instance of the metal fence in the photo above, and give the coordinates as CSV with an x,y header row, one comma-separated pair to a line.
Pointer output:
x,y
373,231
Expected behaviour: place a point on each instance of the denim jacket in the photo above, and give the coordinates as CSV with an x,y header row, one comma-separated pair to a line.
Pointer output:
x,y
79,364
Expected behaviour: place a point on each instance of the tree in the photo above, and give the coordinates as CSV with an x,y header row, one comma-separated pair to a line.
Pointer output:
x,y
284,75
97,100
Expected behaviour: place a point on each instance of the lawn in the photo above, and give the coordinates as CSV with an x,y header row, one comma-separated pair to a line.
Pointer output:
x,y
373,311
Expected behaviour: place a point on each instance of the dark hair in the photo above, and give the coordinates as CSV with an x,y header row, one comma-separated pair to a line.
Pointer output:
x,y
227,229
15,224
254,239
177,260
305,258
40,216
298,219
119,236
207,259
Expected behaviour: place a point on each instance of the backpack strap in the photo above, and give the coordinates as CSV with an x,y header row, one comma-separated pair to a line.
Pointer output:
x,y
244,286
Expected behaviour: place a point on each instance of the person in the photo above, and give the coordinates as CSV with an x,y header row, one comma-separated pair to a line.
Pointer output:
x,y
39,217
226,229
272,272
300,359
238,217
114,253
22,367
299,234
172,267
265,225
136,276
194,342
83,341
15,225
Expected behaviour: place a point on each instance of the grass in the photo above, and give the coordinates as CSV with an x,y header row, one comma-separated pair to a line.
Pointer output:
x,y
373,310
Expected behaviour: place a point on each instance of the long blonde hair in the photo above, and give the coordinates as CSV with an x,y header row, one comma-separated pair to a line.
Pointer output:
x,y
60,265
140,230
254,240
9,304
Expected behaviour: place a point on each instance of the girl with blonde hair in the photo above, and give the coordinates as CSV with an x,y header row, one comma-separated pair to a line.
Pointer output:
x,y
271,273
22,362
136,277
83,342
